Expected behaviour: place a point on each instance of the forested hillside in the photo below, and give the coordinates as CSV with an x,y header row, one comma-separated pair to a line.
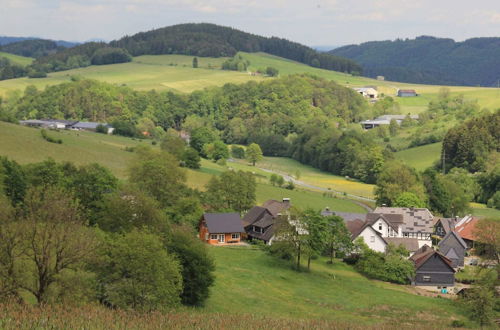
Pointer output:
x,y
32,48
429,60
215,41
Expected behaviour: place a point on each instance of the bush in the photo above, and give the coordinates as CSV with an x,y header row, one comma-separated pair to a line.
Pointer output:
x,y
110,55
48,138
457,324
238,152
101,129
37,74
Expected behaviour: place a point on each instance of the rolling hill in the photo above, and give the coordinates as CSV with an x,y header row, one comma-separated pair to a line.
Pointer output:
x,y
429,60
16,59
175,72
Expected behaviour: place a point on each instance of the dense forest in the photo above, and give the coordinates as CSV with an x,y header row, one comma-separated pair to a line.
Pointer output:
x,y
32,48
429,60
216,41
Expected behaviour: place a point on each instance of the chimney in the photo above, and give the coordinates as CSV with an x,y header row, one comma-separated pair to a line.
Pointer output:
x,y
286,201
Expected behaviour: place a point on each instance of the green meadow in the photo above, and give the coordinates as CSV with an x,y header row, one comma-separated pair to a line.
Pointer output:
x,y
421,157
251,281
175,73
25,145
16,59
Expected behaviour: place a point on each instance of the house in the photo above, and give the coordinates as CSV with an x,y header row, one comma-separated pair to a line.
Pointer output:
x,y
465,228
368,92
453,247
260,220
380,230
386,120
444,226
407,93
52,124
416,222
90,126
221,228
432,269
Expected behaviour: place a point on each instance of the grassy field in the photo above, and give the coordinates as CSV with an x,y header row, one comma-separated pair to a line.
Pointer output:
x,y
313,176
253,290
25,145
249,280
421,157
21,60
175,72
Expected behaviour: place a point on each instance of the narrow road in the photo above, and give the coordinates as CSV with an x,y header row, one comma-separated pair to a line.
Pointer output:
x,y
310,186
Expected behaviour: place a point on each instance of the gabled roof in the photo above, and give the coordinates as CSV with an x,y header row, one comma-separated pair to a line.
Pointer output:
x,y
448,224
452,254
223,223
347,216
424,253
451,235
266,221
466,228
355,227
254,214
275,207
411,244
414,219
393,220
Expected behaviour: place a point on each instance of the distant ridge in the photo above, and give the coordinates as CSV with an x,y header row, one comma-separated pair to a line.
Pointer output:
x,y
429,60
5,40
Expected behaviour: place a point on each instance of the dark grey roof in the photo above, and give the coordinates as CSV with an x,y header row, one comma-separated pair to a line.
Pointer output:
x,y
274,207
393,220
266,221
457,237
62,121
350,216
223,223
254,214
88,125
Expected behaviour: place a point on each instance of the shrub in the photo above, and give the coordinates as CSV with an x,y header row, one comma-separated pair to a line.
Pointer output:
x,y
101,129
48,138
238,152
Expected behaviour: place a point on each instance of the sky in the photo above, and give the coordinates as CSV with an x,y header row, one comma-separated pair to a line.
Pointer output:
x,y
311,22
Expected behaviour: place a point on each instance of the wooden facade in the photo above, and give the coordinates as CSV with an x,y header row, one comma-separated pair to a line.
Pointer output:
x,y
221,229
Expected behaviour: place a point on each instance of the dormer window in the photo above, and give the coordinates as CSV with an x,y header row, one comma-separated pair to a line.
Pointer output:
x,y
380,226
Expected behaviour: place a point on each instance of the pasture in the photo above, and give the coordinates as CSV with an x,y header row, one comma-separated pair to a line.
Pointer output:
x,y
16,59
421,157
175,73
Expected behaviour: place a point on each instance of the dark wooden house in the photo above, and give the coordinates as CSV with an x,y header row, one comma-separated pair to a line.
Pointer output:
x,y
453,247
432,268
259,221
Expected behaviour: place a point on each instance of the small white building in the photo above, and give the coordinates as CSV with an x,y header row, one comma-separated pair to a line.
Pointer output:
x,y
368,92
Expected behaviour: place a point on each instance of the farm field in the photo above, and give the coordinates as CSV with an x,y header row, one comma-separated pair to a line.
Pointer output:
x,y
420,157
249,280
175,73
25,145
16,59
313,176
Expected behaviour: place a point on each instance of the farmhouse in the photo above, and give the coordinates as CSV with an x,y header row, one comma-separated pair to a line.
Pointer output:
x,y
90,126
453,247
443,226
368,92
221,228
407,93
465,228
380,230
432,269
386,120
259,221
52,124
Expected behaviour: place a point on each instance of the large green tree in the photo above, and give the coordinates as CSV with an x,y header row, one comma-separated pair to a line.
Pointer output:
x,y
231,191
253,153
395,179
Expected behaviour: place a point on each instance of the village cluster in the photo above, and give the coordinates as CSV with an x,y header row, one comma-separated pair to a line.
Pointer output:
x,y
416,229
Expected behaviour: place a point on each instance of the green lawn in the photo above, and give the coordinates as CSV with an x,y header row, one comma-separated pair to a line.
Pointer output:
x,y
21,60
480,210
421,157
249,281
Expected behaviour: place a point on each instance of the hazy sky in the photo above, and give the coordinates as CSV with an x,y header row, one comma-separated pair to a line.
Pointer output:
x,y
319,22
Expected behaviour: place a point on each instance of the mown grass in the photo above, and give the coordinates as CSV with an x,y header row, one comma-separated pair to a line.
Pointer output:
x,y
421,157
16,59
249,280
481,210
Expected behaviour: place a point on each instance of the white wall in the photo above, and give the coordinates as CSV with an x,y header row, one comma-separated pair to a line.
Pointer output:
x,y
374,241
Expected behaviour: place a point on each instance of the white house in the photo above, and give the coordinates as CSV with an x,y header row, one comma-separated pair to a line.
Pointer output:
x,y
368,92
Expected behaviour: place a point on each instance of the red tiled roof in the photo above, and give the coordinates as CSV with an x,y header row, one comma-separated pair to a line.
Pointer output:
x,y
466,230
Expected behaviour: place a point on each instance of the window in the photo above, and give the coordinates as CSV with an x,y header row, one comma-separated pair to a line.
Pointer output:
x,y
235,236
426,278
380,226
221,238
213,236
372,239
